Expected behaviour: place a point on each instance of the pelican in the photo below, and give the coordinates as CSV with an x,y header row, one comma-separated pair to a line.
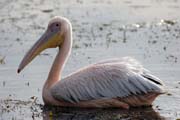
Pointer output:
x,y
120,82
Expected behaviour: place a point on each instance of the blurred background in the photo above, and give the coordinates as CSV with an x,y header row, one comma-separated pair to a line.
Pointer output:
x,y
148,30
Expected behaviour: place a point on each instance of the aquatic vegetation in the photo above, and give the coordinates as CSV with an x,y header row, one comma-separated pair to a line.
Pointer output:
x,y
2,60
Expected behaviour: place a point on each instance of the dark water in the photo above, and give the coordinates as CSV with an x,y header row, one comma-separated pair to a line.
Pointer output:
x,y
147,30
13,109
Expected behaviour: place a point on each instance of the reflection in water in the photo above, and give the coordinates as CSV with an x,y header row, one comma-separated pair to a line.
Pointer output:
x,y
51,113
17,109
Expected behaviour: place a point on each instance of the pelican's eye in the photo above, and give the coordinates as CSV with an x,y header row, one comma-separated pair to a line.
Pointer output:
x,y
57,25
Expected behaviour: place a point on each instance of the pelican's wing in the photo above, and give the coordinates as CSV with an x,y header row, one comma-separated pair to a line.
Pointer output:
x,y
106,80
135,66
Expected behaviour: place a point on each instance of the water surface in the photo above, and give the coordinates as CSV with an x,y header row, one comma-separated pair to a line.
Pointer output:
x,y
147,30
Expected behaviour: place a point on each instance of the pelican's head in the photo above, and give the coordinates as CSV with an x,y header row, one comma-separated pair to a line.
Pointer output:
x,y
52,38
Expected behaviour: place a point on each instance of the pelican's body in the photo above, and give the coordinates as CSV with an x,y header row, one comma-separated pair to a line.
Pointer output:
x,y
111,83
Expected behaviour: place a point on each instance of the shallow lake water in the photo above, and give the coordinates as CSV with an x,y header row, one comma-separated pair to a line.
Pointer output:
x,y
149,31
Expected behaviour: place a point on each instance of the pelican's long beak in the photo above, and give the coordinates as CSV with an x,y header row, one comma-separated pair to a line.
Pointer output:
x,y
48,40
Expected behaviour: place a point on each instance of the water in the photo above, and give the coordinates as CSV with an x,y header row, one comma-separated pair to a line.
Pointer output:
x,y
148,30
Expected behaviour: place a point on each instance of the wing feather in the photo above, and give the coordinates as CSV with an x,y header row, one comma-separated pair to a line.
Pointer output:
x,y
108,79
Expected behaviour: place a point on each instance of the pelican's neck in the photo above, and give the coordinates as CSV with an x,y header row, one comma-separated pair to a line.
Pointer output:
x,y
60,60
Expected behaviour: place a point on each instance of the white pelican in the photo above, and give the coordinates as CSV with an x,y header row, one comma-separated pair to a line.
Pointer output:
x,y
112,83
